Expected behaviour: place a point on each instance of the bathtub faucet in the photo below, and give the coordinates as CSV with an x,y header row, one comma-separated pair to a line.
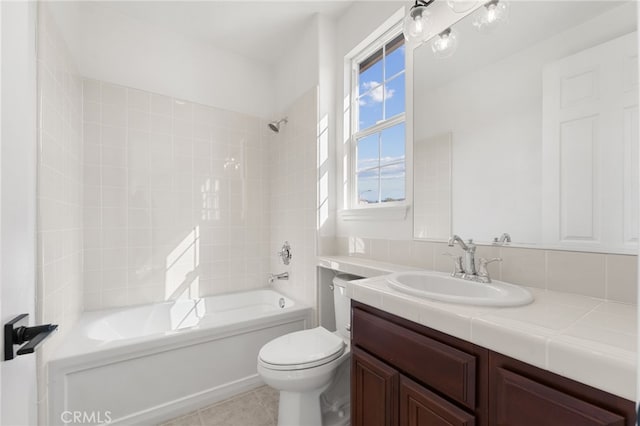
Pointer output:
x,y
282,276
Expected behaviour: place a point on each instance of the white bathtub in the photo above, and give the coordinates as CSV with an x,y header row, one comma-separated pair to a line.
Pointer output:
x,y
149,363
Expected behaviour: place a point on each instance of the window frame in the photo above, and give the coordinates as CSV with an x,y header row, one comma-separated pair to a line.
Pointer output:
x,y
377,44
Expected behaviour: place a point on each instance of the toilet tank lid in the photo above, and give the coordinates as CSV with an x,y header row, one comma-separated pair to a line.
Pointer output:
x,y
302,347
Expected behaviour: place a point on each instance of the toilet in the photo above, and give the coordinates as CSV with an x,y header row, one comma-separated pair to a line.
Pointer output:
x,y
311,369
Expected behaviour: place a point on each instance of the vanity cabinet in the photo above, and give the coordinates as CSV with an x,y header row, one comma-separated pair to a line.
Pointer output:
x,y
406,374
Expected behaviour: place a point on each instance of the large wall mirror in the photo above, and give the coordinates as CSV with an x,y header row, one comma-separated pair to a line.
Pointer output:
x,y
532,129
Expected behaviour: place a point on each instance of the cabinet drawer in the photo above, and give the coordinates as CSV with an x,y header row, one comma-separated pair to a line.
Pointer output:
x,y
448,370
421,407
522,401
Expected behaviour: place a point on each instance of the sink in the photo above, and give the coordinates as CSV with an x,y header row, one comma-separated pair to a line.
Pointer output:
x,y
445,288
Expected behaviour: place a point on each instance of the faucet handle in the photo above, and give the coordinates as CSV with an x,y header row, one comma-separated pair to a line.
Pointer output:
x,y
457,270
482,266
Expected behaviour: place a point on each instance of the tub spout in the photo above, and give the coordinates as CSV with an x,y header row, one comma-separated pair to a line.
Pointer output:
x,y
282,276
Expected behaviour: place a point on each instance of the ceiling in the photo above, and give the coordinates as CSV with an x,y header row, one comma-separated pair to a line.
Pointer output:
x,y
259,30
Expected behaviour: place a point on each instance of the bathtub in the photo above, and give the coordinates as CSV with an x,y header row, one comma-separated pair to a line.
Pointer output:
x,y
146,364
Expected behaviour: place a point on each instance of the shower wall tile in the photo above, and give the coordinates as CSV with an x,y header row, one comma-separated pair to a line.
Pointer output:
x,y
59,192
293,197
175,198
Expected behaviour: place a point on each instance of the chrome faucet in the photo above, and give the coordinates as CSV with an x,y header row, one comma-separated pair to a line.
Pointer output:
x,y
465,267
469,262
502,240
282,276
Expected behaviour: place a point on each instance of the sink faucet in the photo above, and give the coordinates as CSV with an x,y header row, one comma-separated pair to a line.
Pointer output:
x,y
469,262
502,239
465,267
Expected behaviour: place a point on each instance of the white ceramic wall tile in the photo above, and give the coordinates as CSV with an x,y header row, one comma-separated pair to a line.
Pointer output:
x,y
292,173
400,251
524,266
622,278
163,219
422,253
581,273
606,276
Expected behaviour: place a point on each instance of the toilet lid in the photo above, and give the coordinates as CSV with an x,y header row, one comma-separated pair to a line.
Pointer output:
x,y
302,349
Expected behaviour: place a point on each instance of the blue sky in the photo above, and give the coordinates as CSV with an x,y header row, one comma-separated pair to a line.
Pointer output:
x,y
379,101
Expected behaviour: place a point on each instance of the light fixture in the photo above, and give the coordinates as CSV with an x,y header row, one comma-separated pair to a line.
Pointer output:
x,y
445,44
490,16
416,22
461,6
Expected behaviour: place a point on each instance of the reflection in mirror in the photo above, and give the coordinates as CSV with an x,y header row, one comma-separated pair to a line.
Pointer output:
x,y
532,129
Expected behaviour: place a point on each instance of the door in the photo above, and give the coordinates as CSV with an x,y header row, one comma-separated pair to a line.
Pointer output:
x,y
374,391
590,147
18,394
421,407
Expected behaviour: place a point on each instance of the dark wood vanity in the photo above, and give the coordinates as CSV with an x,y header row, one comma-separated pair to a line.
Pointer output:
x,y
404,373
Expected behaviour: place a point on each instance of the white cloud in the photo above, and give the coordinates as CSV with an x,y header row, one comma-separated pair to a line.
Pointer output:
x,y
375,95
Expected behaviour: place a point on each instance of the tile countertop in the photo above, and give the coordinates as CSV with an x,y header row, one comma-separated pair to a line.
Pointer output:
x,y
592,341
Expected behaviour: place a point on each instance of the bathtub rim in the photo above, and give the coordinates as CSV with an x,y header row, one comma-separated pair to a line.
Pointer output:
x,y
57,369
77,334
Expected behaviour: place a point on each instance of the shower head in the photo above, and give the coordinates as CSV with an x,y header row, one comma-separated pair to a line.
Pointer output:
x,y
275,125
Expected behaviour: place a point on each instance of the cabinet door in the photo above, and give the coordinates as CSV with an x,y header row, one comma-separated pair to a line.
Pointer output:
x,y
374,391
421,407
523,402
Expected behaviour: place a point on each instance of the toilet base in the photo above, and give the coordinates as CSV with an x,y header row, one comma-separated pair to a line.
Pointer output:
x,y
300,408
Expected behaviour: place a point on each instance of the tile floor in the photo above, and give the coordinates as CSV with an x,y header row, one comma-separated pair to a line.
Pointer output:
x,y
258,407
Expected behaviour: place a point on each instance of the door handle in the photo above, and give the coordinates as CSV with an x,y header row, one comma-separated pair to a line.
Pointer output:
x,y
17,334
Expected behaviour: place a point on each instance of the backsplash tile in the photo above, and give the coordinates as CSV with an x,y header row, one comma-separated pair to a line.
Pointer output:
x,y
525,266
622,274
582,273
608,276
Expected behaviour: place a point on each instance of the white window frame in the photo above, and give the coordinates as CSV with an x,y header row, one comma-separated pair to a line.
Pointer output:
x,y
392,209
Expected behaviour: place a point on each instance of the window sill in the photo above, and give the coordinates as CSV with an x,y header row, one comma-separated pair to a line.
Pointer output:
x,y
387,213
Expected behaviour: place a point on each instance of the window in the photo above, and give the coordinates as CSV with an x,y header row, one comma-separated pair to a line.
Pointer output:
x,y
378,122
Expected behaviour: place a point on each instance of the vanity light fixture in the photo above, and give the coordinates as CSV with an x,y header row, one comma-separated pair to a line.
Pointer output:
x,y
492,15
445,44
416,23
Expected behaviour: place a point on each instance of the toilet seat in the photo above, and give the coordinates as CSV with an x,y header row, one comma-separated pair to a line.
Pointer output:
x,y
301,350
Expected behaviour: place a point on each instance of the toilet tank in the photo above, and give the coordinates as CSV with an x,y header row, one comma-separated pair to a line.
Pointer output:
x,y
342,304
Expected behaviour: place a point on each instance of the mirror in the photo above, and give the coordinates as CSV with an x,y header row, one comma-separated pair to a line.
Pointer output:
x,y
532,129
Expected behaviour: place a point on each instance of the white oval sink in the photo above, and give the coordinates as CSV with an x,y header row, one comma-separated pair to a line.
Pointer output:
x,y
445,288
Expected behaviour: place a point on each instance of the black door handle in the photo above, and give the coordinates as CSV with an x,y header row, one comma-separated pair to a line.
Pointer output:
x,y
16,334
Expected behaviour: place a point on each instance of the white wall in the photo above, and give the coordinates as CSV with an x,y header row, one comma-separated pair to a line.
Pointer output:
x,y
297,71
60,227
119,49
326,151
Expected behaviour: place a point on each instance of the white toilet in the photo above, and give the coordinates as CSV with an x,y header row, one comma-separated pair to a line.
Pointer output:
x,y
311,369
